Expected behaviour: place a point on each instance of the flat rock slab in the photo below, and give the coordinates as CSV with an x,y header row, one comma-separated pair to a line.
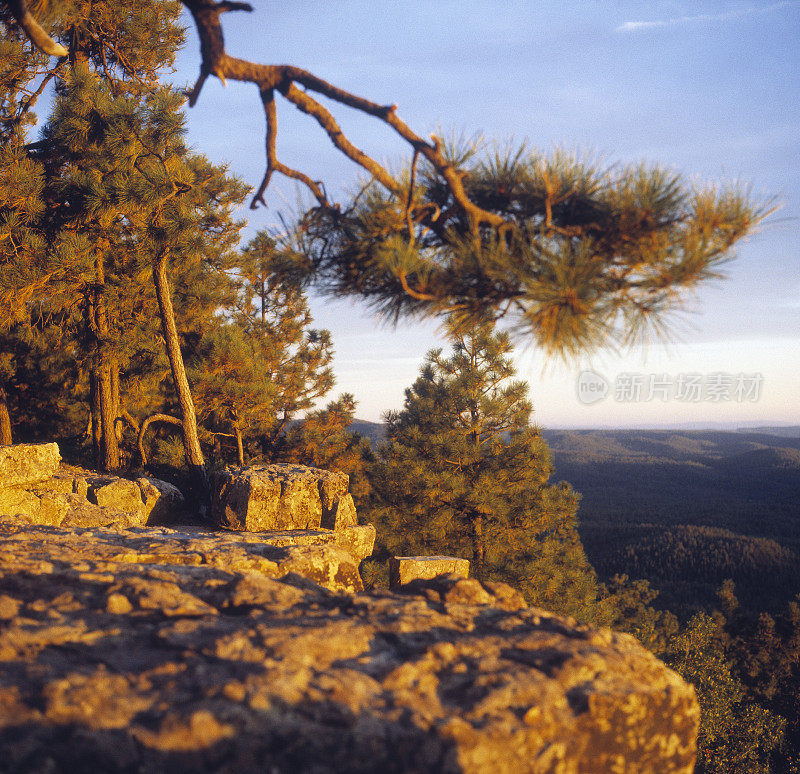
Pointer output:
x,y
263,498
27,463
358,540
319,555
404,569
120,663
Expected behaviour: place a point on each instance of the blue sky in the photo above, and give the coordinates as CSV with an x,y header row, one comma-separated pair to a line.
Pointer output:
x,y
710,89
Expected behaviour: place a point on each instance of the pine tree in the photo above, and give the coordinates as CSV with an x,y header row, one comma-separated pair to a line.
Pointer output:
x,y
123,195
83,146
736,733
261,363
464,472
115,176
323,440
573,254
295,357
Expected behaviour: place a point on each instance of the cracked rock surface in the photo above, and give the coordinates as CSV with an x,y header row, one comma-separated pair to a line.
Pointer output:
x,y
145,650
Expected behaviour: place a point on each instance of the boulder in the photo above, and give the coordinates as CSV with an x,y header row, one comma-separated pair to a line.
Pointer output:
x,y
82,513
276,497
163,502
33,507
404,569
120,494
357,541
36,490
113,660
27,463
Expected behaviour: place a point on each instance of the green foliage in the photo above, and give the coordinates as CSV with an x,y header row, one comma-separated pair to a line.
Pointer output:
x,y
626,607
108,187
736,733
587,255
322,439
261,363
686,510
463,472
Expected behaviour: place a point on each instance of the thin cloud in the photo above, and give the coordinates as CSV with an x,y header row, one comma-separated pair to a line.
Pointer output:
x,y
639,26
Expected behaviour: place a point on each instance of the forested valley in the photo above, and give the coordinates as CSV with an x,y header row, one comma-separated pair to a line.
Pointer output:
x,y
143,333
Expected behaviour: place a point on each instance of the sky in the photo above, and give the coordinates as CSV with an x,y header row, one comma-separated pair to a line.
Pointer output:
x,y
708,89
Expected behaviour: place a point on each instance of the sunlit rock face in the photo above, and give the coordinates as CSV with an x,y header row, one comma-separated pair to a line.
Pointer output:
x,y
131,648
281,496
404,569
36,489
28,463
154,650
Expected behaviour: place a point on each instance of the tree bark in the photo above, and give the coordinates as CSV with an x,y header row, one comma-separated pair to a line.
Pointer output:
x,y
96,421
115,397
107,417
130,421
478,545
239,444
103,381
5,420
191,441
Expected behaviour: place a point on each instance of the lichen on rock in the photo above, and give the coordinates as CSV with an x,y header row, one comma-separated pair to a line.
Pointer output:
x,y
156,649
276,497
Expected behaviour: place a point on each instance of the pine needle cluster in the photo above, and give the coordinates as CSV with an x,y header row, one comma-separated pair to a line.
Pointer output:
x,y
587,256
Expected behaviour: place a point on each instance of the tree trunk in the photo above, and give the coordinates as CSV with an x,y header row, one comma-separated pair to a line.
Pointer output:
x,y
478,545
239,444
94,403
130,421
107,420
115,397
103,415
191,442
5,420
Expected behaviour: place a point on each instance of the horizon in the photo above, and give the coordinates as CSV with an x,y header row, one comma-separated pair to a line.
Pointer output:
x,y
697,427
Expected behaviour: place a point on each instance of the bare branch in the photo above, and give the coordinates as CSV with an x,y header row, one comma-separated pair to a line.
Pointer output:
x,y
163,418
216,61
37,36
195,92
30,102
273,165
417,294
325,119
283,77
409,201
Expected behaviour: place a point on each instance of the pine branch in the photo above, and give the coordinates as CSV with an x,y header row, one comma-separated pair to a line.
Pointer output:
x,y
39,38
216,61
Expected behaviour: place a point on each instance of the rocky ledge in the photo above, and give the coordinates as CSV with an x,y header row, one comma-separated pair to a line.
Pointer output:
x,y
151,650
37,488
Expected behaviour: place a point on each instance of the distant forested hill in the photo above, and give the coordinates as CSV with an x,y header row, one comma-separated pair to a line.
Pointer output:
x,y
375,432
688,509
